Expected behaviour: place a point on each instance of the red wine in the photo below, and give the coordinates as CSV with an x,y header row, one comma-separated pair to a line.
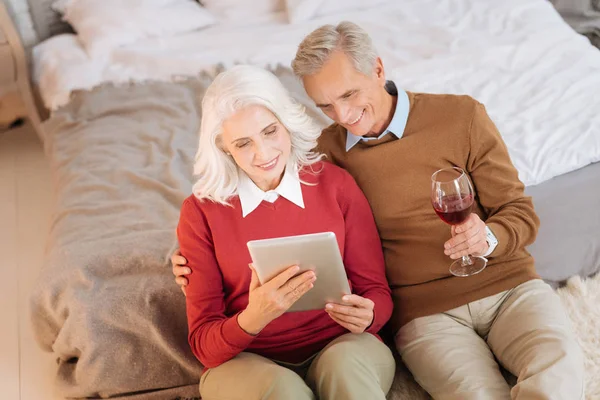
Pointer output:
x,y
454,209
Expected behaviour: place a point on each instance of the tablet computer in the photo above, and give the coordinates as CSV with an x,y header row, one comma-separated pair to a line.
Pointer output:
x,y
318,252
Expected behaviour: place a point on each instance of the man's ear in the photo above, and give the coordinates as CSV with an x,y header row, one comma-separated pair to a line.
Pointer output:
x,y
378,70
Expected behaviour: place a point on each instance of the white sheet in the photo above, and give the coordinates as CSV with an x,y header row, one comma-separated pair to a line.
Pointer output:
x,y
539,80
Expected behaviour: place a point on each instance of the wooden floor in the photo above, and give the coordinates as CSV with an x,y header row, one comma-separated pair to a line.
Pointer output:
x,y
26,373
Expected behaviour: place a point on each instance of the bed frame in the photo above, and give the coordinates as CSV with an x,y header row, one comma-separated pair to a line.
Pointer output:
x,y
25,24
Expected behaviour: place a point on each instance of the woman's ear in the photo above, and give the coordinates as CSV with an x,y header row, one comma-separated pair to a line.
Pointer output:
x,y
219,143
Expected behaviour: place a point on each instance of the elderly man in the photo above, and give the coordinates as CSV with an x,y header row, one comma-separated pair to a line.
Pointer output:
x,y
452,332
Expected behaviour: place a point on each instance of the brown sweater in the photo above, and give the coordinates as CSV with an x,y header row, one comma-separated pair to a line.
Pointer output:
x,y
395,175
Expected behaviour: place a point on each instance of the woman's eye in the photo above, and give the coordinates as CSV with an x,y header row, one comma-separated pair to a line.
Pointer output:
x,y
271,132
241,145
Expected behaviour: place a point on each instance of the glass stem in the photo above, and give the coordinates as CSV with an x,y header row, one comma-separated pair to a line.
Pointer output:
x,y
466,260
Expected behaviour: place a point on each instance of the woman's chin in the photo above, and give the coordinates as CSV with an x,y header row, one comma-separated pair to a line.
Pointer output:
x,y
272,177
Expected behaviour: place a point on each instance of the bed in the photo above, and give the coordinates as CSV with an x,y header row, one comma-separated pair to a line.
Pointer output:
x,y
121,139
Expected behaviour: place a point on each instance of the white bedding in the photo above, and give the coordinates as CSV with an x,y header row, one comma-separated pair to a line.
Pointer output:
x,y
539,80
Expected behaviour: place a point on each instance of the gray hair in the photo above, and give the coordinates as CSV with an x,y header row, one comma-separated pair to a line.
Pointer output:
x,y
317,47
231,91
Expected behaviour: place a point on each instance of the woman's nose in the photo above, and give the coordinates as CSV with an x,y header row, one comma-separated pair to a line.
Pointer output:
x,y
260,152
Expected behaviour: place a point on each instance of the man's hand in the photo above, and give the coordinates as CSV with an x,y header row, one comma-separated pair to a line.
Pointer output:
x,y
468,238
354,314
180,269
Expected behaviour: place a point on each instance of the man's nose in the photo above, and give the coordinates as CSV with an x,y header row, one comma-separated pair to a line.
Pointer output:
x,y
342,112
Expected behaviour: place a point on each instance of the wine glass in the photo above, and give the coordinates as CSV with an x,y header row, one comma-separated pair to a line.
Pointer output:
x,y
452,199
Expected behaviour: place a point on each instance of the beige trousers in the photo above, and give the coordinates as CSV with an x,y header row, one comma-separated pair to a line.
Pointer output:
x,y
350,367
451,354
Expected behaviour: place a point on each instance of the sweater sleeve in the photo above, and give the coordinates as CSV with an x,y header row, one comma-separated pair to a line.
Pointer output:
x,y
363,254
510,214
213,336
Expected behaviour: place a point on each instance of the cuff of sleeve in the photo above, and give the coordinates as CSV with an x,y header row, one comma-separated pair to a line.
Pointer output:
x,y
373,328
492,241
377,322
234,335
503,237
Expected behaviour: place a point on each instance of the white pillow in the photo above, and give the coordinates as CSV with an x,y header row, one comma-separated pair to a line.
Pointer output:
x,y
305,10
61,66
245,12
103,25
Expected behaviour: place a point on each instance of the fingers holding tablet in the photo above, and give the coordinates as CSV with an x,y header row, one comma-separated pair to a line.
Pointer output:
x,y
297,286
270,300
292,287
354,314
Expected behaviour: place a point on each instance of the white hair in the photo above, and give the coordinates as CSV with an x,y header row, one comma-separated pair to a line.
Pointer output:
x,y
231,91
317,47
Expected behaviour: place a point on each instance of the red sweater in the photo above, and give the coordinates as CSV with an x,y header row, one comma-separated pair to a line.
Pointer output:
x,y
213,238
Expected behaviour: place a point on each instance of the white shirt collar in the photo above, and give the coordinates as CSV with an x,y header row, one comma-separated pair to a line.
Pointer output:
x,y
251,195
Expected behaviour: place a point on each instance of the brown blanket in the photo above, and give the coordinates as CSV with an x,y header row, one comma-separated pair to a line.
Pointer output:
x,y
106,304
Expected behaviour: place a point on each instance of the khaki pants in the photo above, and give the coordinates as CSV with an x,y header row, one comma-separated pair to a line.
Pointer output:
x,y
451,354
351,367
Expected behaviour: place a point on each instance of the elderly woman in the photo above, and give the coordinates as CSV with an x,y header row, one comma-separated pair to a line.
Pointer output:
x,y
259,178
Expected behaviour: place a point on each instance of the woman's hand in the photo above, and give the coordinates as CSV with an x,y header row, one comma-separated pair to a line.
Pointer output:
x,y
355,314
270,300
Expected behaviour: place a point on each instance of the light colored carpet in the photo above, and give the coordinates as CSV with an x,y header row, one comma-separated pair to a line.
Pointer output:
x,y
581,298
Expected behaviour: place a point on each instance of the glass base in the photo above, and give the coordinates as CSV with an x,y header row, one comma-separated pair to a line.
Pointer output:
x,y
468,266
